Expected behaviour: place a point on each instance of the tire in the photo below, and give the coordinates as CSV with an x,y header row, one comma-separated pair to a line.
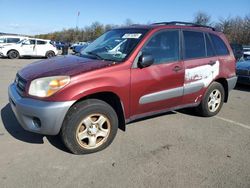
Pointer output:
x,y
13,54
50,54
89,126
212,101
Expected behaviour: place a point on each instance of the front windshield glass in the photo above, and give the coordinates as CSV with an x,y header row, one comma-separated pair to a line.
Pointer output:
x,y
114,45
21,41
2,40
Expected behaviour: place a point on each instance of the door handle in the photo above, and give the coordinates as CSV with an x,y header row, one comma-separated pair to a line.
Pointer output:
x,y
211,63
177,68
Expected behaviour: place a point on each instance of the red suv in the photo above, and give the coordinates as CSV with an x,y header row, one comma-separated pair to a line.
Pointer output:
x,y
126,74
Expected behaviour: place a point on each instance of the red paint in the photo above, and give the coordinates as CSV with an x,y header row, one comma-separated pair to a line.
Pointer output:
x,y
94,76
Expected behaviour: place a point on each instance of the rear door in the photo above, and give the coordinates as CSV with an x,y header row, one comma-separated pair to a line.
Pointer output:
x,y
201,64
159,86
41,47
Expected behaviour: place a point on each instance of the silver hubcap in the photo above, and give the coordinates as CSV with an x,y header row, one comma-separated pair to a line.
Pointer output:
x,y
214,100
93,131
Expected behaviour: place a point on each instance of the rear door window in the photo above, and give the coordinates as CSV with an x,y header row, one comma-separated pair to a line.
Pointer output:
x,y
209,47
219,45
40,42
194,45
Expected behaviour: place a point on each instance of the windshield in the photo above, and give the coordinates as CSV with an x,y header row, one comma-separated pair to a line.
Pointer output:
x,y
21,41
2,40
114,45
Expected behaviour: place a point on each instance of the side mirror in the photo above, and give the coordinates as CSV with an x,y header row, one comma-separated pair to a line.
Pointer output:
x,y
145,60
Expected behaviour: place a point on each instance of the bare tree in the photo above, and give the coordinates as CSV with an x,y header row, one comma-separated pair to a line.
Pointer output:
x,y
202,18
237,29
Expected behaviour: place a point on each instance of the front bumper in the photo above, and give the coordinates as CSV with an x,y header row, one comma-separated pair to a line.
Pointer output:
x,y
38,116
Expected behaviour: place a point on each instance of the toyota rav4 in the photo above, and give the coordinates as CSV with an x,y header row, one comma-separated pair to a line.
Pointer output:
x,y
125,74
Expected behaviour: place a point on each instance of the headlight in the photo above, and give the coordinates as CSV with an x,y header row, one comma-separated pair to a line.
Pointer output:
x,y
47,86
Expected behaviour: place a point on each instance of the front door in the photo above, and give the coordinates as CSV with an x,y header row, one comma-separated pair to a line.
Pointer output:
x,y
28,47
159,86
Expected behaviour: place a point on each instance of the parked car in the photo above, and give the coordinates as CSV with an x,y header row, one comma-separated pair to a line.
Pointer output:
x,y
243,71
157,68
77,49
7,39
59,45
29,47
237,50
77,44
246,51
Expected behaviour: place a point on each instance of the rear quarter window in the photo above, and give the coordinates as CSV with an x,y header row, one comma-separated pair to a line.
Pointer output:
x,y
219,45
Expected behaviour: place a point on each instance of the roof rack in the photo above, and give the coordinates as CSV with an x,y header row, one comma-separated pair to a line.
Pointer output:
x,y
184,24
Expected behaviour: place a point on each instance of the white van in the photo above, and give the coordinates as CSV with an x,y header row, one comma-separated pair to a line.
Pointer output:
x,y
29,47
9,39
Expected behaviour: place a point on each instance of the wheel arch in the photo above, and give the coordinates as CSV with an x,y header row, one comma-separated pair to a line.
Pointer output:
x,y
12,50
224,83
113,100
49,52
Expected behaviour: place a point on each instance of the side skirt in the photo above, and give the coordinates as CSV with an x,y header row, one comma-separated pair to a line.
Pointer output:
x,y
150,114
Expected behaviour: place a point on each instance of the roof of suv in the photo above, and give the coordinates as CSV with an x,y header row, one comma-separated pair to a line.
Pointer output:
x,y
174,24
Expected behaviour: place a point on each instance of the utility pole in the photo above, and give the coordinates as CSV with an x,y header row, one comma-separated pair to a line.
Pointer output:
x,y
77,19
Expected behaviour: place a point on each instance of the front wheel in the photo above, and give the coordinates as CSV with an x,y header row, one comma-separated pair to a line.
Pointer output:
x,y
89,126
13,54
212,101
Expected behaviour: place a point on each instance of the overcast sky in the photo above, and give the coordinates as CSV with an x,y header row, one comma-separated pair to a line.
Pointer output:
x,y
43,16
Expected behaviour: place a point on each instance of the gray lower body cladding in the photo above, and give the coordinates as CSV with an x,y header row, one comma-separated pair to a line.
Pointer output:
x,y
38,116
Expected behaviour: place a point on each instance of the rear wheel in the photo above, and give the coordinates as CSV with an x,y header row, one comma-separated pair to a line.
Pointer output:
x,y
89,126
212,101
13,54
50,54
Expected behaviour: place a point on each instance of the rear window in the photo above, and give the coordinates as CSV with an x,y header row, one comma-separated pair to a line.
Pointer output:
x,y
40,42
13,40
219,45
194,45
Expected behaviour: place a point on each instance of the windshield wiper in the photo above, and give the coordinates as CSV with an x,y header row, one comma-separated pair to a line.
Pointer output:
x,y
94,54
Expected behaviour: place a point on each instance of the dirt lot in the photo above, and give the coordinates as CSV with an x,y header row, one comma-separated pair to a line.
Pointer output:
x,y
177,149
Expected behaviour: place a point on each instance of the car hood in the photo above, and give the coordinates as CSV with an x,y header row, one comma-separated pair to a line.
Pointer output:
x,y
243,65
64,65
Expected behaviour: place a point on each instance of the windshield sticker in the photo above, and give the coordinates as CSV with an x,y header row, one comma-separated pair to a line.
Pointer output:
x,y
131,35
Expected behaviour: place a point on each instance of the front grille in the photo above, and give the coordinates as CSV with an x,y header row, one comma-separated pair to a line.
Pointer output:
x,y
21,84
243,72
